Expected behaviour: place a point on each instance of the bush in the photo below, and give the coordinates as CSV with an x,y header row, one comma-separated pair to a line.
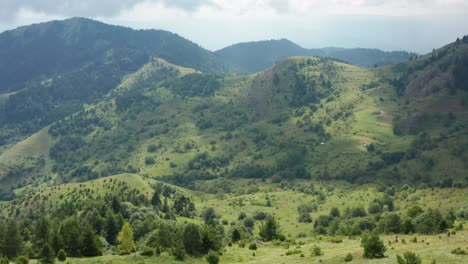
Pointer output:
x,y
348,258
409,258
373,246
458,251
147,252
253,246
150,161
178,253
62,256
305,218
259,215
317,251
4,260
22,260
212,257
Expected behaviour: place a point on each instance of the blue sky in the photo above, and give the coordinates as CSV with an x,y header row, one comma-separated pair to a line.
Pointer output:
x,y
417,25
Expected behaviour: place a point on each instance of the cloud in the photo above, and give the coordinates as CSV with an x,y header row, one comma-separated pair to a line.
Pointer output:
x,y
10,9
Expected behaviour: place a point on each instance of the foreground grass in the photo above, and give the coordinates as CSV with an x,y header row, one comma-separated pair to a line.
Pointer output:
x,y
429,247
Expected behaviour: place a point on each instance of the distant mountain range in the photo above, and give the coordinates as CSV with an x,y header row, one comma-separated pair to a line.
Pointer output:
x,y
250,57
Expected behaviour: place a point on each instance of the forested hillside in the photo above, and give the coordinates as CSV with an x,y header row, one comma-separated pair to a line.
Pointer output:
x,y
49,70
134,154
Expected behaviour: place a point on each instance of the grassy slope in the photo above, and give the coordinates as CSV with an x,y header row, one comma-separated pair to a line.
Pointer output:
x,y
284,204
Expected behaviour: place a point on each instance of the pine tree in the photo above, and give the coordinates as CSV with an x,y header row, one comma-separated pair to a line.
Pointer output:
x,y
155,200
269,230
41,234
126,242
46,254
192,239
112,229
12,240
89,245
373,246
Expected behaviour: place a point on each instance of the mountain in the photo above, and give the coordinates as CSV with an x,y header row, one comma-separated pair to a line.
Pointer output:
x,y
128,155
49,70
305,117
253,57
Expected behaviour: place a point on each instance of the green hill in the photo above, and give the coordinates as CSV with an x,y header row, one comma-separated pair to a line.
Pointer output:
x,y
134,156
50,70
303,118
252,57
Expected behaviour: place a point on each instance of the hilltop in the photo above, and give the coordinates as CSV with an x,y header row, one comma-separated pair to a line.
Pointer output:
x,y
252,57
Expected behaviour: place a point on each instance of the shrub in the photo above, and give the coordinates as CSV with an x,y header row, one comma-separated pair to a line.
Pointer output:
x,y
253,246
212,257
22,260
317,251
336,240
409,258
147,252
259,215
305,218
178,253
150,161
293,252
4,260
348,258
62,256
373,246
458,251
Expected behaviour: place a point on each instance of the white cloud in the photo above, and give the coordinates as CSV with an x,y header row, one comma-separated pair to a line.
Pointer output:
x,y
418,25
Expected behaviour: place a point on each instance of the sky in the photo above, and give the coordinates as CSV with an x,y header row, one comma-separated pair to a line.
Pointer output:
x,y
412,25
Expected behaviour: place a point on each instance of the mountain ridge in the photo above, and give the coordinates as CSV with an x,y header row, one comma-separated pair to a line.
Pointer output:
x,y
255,56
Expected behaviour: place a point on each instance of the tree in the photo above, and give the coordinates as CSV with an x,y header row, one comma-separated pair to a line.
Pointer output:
x,y
126,242
209,216
112,229
373,246
12,240
236,235
70,232
192,239
46,254
41,234
269,229
409,258
156,200
89,245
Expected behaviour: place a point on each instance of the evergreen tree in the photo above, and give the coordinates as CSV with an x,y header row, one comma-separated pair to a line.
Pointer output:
x,y
269,230
12,240
156,200
192,239
41,234
112,229
89,245
70,232
126,242
373,246
46,254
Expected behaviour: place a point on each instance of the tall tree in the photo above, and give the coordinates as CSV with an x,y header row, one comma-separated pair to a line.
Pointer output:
x,y
12,240
192,239
269,229
126,242
156,200
89,244
41,234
